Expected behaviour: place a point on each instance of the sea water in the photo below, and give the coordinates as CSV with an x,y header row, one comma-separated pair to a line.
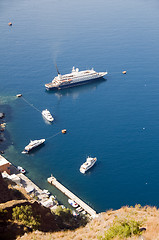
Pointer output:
x,y
115,120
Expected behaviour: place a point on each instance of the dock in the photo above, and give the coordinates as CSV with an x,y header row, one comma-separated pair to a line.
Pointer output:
x,y
52,180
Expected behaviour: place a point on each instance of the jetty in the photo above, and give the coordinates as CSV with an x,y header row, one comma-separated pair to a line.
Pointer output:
x,y
52,180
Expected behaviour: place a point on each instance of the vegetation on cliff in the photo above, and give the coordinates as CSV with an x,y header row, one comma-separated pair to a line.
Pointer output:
x,y
27,219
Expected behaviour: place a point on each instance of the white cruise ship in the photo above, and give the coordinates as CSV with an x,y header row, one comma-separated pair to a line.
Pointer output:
x,y
74,78
33,144
88,164
47,115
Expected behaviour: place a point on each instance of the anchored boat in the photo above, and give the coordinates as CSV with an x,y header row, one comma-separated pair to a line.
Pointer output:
x,y
33,144
88,164
74,78
47,115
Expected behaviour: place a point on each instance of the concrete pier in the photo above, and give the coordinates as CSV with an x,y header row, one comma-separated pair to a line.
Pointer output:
x,y
52,180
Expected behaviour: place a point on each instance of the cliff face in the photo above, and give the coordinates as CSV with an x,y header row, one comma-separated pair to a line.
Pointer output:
x,y
95,229
7,192
52,226
11,197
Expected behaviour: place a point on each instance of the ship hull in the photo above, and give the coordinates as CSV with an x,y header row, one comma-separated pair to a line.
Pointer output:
x,y
73,84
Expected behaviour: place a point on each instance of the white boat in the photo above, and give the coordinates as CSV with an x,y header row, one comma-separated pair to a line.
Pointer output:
x,y
88,164
33,144
79,209
20,169
74,78
83,212
45,191
74,213
47,115
72,203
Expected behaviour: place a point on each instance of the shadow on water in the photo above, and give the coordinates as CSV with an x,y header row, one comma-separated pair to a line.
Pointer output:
x,y
76,90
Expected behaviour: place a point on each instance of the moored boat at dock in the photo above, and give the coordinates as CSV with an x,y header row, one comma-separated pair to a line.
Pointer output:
x,y
20,169
33,144
72,203
88,164
74,78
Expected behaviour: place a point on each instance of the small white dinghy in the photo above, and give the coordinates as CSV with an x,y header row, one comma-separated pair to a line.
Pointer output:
x,y
72,203
20,169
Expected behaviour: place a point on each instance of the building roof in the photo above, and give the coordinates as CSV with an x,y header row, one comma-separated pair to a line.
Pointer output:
x,y
3,161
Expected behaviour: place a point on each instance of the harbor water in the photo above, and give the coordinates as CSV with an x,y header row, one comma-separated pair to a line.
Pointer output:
x,y
115,120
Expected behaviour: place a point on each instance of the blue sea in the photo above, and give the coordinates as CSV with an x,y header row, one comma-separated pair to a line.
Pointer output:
x,y
115,120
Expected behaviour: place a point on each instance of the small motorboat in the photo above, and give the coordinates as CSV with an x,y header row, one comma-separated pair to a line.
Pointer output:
x,y
45,191
74,213
83,212
20,169
79,209
72,203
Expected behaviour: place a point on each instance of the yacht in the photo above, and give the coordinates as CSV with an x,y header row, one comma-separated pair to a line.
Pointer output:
x,y
74,78
33,144
88,164
47,115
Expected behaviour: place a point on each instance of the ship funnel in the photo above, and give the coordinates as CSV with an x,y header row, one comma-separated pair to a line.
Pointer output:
x,y
57,69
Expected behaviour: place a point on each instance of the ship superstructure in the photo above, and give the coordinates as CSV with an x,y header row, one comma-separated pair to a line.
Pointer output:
x,y
74,78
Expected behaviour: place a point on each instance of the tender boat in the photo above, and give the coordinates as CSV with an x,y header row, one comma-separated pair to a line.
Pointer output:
x,y
79,209
88,164
72,203
74,213
33,144
47,115
20,169
74,78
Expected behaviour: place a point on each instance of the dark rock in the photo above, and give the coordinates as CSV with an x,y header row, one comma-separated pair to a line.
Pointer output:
x,y
142,229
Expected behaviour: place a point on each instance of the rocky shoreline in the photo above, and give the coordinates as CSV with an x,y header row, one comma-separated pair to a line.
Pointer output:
x,y
5,139
2,129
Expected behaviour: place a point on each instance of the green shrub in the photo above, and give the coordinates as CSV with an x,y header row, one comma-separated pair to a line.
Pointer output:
x,y
24,215
3,215
68,219
122,228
